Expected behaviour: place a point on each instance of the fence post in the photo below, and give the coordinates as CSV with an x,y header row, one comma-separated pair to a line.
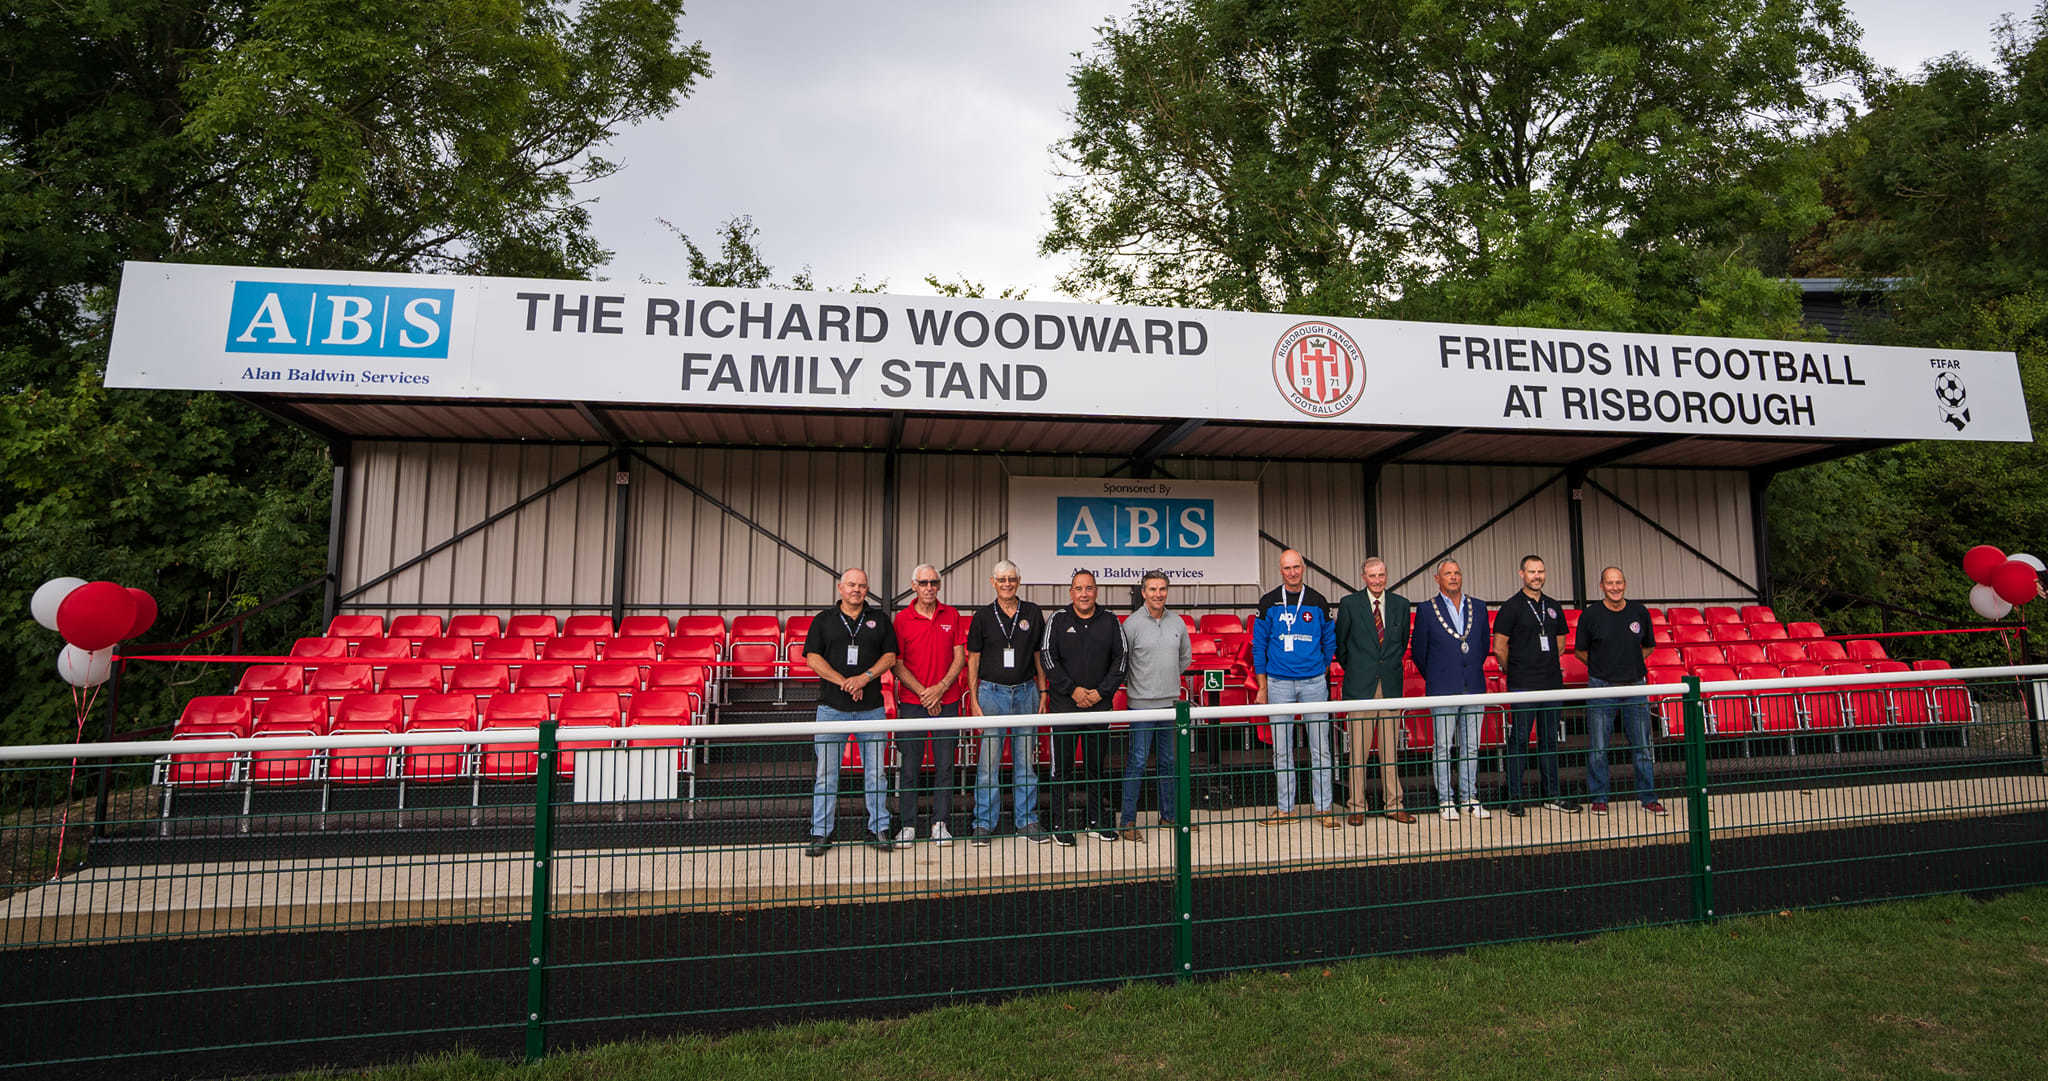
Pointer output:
x,y
1183,842
1700,846
537,932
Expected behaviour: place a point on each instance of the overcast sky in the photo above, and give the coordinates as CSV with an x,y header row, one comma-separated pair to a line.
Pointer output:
x,y
890,141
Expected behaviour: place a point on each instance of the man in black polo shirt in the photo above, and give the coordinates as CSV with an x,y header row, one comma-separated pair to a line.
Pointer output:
x,y
1002,667
1614,640
1083,661
1527,634
849,646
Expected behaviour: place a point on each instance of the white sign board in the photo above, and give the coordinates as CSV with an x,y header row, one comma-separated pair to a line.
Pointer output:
x,y
1200,532
253,330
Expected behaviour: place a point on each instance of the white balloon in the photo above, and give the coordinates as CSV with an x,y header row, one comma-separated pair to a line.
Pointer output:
x,y
82,669
48,596
1988,603
2032,561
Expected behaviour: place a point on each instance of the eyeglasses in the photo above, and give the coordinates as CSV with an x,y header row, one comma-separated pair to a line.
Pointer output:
x,y
1010,581
925,581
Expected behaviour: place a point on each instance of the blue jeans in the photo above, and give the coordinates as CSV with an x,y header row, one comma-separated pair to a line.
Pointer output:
x,y
1635,717
1545,720
998,700
1312,689
1465,719
1144,736
825,778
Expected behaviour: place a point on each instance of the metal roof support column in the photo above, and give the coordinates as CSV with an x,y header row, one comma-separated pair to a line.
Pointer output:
x,y
1760,529
892,478
1575,517
1370,476
622,512
337,525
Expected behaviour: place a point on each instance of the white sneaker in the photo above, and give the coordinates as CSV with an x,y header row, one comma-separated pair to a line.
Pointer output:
x,y
942,836
1477,811
907,834
1448,814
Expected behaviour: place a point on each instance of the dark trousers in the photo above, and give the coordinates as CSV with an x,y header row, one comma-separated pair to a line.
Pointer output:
x,y
1080,797
1546,720
910,771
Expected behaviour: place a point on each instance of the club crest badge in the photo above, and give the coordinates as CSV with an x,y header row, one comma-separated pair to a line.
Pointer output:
x,y
1319,369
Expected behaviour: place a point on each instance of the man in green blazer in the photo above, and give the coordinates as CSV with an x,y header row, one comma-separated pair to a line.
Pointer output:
x,y
1372,637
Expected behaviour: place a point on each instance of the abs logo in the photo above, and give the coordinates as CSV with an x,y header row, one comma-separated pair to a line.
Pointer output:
x,y
1135,527
340,321
1319,369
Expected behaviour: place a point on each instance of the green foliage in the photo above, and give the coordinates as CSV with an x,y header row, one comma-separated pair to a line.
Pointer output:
x,y
1558,164
427,135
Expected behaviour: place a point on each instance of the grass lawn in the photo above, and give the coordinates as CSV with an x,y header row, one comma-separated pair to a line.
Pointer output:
x,y
1940,988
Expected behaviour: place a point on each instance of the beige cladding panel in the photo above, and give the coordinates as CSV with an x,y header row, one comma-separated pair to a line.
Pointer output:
x,y
1708,508
1425,508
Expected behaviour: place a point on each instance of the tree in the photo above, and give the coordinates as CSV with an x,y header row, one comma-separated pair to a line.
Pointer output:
x,y
424,135
1572,163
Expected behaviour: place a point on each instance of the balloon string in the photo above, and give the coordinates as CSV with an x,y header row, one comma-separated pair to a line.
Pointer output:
x,y
82,701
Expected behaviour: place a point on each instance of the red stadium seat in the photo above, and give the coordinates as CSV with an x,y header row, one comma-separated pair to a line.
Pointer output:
x,y
1741,653
356,626
672,676
1869,704
413,678
693,647
1203,648
1767,632
1658,618
1826,651
475,626
1782,653
1189,620
677,706
415,627
637,650
1865,649
532,625
572,650
1758,613
1493,727
508,650
447,649
1728,710
512,761
335,680
1663,634
320,648
208,717
618,677
260,681
1574,670
755,659
585,709
755,629
1669,708
216,715
644,627
1571,618
1699,656
553,678
479,680
1221,623
1729,632
1681,616
364,713
1951,698
384,649
452,712
587,627
1722,614
288,715
1804,630
1691,634
709,626
1823,706
1776,711
800,626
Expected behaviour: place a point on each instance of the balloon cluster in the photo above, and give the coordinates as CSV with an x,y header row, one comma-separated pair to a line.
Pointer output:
x,y
92,617
2002,581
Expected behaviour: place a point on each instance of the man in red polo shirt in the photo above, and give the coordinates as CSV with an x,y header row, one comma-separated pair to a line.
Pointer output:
x,y
929,661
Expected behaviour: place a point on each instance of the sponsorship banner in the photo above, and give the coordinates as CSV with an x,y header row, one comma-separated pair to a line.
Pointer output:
x,y
254,330
1200,532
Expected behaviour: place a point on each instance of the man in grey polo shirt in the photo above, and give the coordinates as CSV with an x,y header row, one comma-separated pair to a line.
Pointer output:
x,y
1156,652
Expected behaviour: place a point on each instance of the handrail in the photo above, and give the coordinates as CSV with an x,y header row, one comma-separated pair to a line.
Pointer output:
x,y
226,624
805,729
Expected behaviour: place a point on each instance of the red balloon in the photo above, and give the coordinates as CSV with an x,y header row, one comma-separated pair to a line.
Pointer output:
x,y
1981,562
95,615
2015,582
145,613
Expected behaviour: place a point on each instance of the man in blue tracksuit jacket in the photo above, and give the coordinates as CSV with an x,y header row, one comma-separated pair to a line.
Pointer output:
x,y
1293,642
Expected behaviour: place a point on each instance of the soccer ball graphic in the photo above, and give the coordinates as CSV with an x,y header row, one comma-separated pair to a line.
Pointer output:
x,y
1949,390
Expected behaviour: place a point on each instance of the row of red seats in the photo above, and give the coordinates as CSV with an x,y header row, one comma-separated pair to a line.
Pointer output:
x,y
475,678
1733,713
237,716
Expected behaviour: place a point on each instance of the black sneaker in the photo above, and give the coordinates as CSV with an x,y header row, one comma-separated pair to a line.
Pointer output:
x,y
817,847
980,839
1515,810
1563,808
1063,838
880,843
1107,835
1036,834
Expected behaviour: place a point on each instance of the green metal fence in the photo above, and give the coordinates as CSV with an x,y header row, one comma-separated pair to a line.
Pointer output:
x,y
253,906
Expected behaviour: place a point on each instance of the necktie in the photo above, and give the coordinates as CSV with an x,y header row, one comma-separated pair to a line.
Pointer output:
x,y
1379,622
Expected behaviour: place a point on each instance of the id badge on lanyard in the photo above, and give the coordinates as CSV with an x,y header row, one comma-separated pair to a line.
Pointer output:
x,y
1009,656
853,654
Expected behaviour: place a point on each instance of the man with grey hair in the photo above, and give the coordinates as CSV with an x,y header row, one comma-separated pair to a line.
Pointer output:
x,y
1372,637
849,646
929,662
1449,647
1157,651
1002,667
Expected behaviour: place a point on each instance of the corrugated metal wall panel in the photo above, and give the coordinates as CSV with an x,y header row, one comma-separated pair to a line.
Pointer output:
x,y
1709,508
1423,508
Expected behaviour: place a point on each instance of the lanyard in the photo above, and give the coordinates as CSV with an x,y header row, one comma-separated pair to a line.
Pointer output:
x,y
852,633
1009,633
1300,601
1536,609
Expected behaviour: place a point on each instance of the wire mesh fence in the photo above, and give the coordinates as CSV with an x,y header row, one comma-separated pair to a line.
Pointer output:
x,y
256,905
